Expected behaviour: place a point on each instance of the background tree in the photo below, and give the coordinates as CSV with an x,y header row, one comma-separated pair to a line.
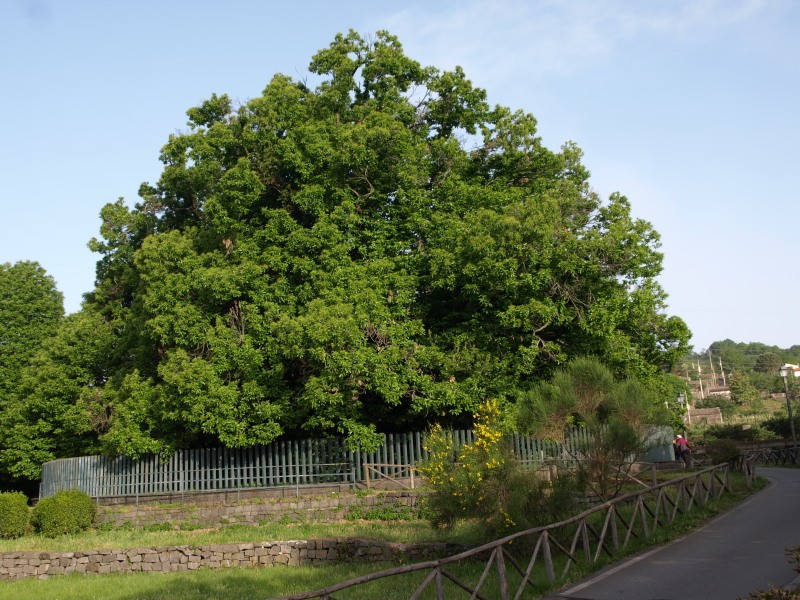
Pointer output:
x,y
30,310
768,362
59,409
379,253
744,394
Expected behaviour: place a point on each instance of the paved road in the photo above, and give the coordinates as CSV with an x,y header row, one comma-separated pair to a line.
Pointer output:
x,y
737,553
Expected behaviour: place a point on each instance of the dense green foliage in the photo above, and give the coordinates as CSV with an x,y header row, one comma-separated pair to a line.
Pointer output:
x,y
722,450
757,360
14,514
779,425
30,310
377,253
58,409
619,414
66,512
736,432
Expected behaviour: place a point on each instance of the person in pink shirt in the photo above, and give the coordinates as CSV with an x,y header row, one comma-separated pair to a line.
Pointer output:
x,y
683,451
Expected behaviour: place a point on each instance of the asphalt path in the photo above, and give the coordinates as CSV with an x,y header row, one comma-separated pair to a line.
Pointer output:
x,y
739,552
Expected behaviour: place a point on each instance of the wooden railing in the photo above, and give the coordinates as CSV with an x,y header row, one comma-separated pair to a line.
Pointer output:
x,y
403,476
600,531
747,465
779,456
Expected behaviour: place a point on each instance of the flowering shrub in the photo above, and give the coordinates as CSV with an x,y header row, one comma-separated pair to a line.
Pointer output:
x,y
483,482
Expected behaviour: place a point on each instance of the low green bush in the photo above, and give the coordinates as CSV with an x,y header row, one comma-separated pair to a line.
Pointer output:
x,y
380,513
14,514
721,451
68,511
737,433
779,425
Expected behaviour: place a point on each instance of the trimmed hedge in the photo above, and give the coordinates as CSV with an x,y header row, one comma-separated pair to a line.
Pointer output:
x,y
15,516
68,511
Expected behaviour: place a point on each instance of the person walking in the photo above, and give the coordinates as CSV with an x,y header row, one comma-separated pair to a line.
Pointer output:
x,y
676,447
683,451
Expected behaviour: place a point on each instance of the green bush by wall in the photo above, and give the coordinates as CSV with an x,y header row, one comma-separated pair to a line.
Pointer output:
x,y
68,511
15,515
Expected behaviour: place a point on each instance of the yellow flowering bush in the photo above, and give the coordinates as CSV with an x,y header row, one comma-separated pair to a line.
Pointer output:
x,y
481,481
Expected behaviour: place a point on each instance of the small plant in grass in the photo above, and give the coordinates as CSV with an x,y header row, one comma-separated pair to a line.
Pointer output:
x,y
165,526
383,513
68,511
290,519
14,514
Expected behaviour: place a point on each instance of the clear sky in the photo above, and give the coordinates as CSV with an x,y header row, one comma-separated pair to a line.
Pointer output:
x,y
691,108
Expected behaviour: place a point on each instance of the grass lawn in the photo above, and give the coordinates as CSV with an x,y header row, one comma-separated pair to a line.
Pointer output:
x,y
115,539
276,581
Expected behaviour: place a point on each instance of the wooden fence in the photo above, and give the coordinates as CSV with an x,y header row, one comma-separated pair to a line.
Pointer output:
x,y
283,463
780,456
557,548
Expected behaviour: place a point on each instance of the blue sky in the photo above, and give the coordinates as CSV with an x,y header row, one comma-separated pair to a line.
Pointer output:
x,y
689,108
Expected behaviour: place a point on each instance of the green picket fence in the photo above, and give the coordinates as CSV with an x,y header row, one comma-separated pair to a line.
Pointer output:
x,y
282,463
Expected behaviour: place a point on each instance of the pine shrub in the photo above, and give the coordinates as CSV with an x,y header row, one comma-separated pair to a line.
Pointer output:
x,y
14,514
68,511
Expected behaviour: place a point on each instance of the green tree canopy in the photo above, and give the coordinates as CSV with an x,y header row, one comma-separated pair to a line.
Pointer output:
x,y
376,253
30,310
60,408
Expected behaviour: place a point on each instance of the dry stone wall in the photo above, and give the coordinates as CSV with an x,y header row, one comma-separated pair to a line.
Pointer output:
x,y
255,511
168,559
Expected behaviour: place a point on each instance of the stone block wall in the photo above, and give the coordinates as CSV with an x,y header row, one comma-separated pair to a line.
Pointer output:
x,y
255,511
168,559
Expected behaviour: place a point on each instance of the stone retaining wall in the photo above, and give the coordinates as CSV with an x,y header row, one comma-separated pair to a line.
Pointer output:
x,y
330,507
167,559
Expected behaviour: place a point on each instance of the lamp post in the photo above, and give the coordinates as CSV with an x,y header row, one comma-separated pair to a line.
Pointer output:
x,y
784,371
682,401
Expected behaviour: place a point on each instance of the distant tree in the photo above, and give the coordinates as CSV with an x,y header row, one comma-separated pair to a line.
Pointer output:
x,y
751,356
59,409
744,394
769,362
30,310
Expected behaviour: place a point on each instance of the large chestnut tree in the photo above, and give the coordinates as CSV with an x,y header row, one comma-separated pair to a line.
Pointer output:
x,y
374,253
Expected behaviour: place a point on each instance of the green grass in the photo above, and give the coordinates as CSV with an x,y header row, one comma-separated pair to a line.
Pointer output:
x,y
394,531
271,582
229,583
